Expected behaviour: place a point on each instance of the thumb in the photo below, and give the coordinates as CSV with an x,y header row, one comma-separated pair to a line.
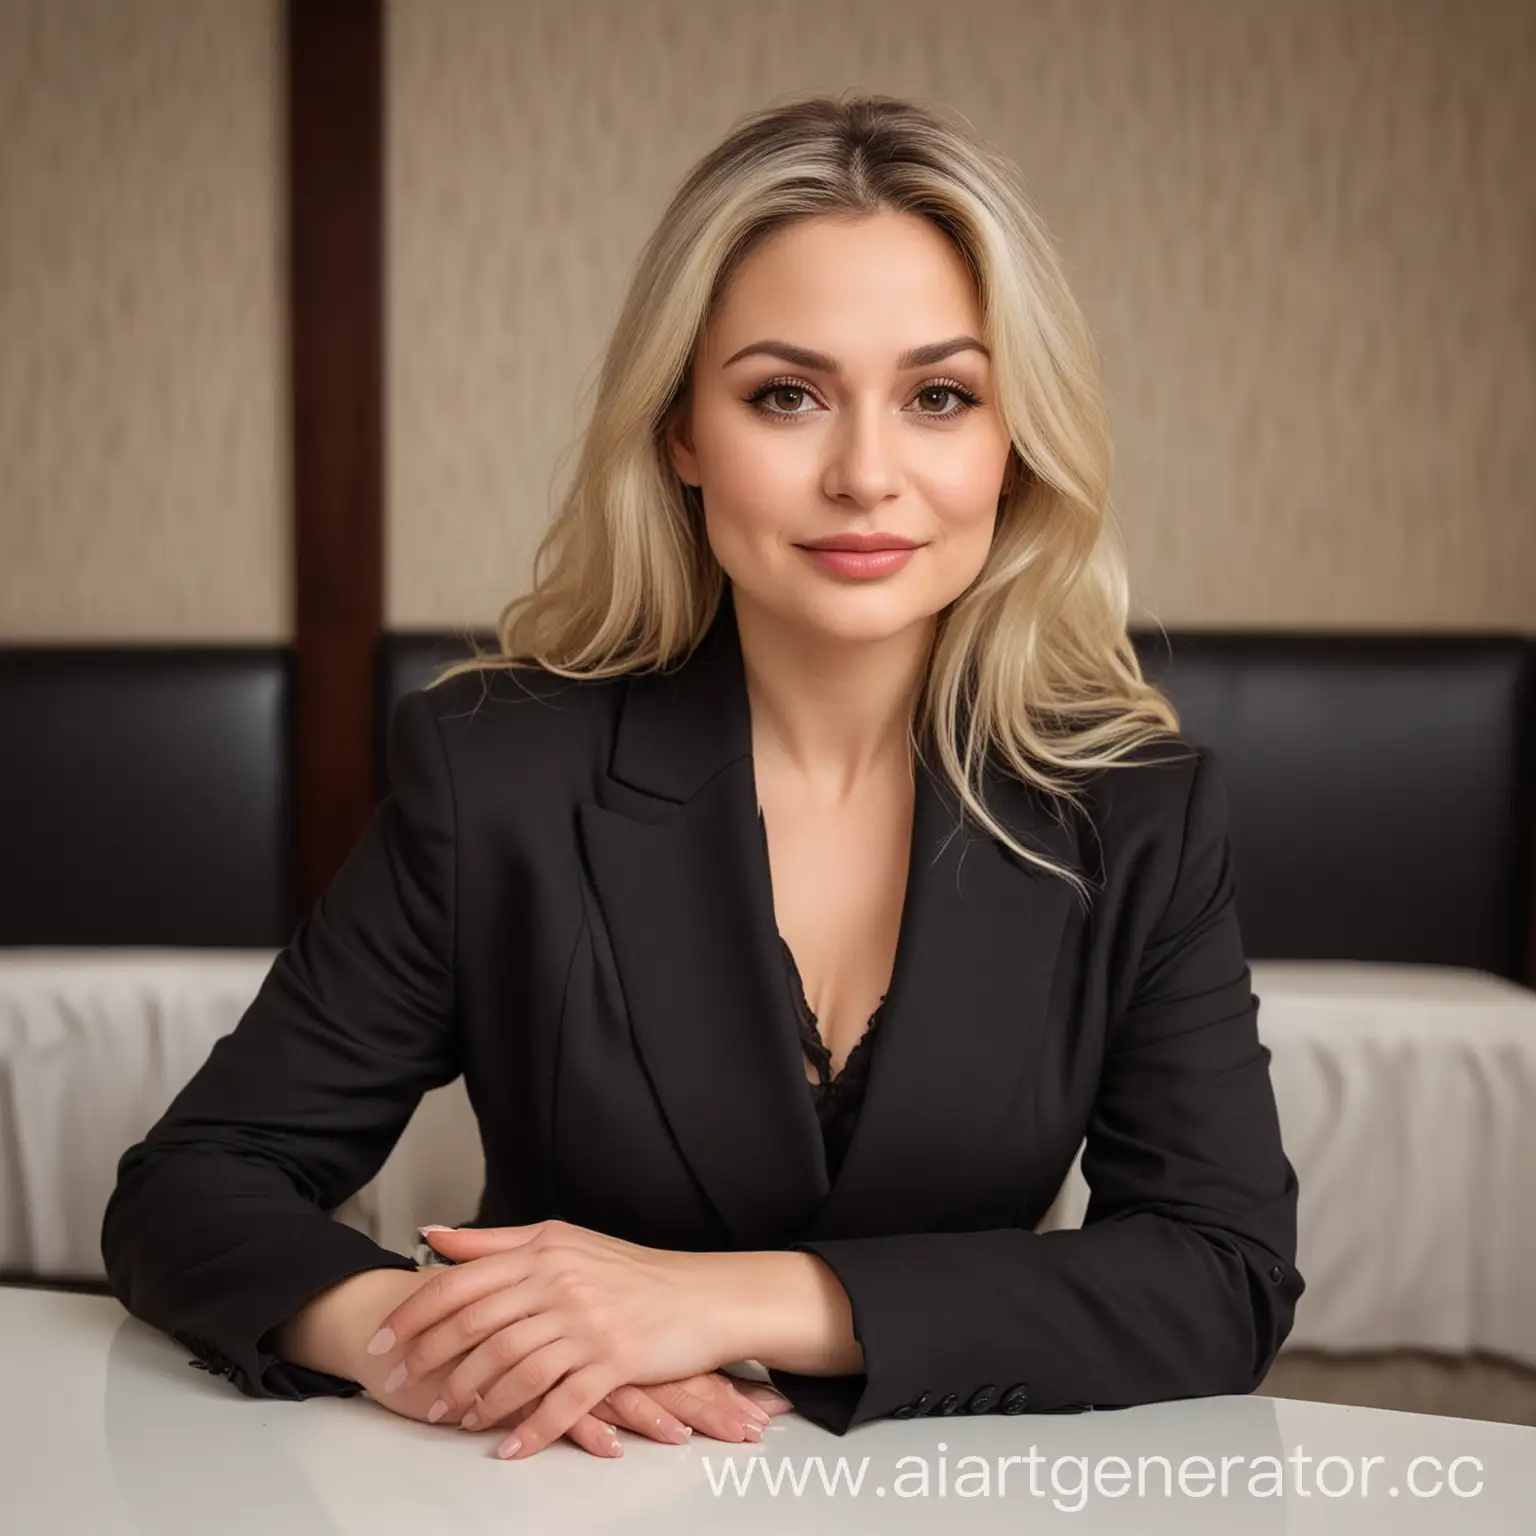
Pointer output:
x,y
767,1397
471,1242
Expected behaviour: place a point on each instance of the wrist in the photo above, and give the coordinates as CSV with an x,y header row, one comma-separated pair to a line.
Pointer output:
x,y
330,1332
732,1301
786,1310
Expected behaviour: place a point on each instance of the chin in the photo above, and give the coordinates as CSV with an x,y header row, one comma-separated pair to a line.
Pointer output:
x,y
864,615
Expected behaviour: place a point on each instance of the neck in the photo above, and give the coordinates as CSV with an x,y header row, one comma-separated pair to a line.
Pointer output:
x,y
831,713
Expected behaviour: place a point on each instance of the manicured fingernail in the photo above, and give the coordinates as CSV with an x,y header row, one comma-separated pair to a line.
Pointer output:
x,y
436,1228
436,1411
469,1420
770,1401
382,1342
762,1415
509,1447
752,1431
395,1377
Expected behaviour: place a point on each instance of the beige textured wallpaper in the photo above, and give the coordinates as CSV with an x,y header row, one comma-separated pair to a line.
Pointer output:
x,y
143,423
1304,232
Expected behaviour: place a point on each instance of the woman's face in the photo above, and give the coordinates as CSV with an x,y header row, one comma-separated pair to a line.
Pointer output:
x,y
806,420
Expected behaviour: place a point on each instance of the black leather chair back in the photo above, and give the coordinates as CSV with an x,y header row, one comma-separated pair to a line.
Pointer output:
x,y
143,796
1381,788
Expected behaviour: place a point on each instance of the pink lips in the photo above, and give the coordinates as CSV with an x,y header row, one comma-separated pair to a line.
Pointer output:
x,y
861,555
861,565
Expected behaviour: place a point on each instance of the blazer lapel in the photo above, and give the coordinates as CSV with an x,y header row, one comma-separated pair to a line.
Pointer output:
x,y
675,851
963,1021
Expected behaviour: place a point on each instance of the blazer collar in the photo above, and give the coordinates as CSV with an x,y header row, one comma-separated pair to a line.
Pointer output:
x,y
677,729
682,876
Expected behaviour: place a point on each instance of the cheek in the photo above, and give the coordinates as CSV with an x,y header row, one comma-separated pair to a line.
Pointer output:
x,y
967,544
964,506
963,485
756,485
963,499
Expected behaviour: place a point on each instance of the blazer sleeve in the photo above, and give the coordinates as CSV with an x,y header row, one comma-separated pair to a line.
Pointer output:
x,y
218,1228
1181,1281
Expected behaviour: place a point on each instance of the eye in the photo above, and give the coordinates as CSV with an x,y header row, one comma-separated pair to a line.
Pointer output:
x,y
949,387
796,387
778,387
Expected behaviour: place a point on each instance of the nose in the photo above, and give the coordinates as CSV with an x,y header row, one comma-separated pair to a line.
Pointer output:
x,y
865,466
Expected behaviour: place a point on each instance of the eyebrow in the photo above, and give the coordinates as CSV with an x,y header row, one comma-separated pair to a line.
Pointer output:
x,y
803,357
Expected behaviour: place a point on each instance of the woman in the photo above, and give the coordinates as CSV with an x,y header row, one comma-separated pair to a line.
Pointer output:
x,y
773,1057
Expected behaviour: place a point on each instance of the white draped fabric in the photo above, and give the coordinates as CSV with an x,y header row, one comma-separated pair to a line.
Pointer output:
x,y
1407,1098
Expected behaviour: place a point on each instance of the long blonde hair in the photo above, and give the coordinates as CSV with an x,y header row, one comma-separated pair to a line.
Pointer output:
x,y
1032,664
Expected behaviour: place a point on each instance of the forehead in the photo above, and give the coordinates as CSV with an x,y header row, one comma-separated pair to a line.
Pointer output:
x,y
857,288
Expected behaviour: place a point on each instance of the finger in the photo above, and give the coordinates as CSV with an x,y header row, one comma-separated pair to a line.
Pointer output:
x,y
472,1418
589,1432
765,1396
447,1292
641,1412
459,1334
751,1394
575,1395
494,1369
536,1375
712,1405
464,1243
594,1435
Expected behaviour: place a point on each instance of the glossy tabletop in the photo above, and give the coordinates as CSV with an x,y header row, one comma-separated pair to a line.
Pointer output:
x,y
105,1429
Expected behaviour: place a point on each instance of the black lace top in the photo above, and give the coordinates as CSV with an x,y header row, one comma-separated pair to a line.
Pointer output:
x,y
838,1097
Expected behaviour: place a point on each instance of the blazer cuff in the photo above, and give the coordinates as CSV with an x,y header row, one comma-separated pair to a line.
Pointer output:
x,y
930,1343
233,1337
918,1353
829,1401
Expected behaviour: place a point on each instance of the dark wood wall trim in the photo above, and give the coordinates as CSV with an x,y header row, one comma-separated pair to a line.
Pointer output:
x,y
335,90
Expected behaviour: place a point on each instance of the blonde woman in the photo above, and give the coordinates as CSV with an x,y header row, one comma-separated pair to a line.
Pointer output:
x,y
809,872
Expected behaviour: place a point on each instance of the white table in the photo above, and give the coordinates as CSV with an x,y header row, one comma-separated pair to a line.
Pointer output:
x,y
104,1429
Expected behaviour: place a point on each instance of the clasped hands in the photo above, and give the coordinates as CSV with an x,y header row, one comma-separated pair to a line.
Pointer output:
x,y
558,1312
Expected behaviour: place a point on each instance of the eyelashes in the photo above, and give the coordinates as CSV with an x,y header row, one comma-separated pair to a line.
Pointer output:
x,y
757,399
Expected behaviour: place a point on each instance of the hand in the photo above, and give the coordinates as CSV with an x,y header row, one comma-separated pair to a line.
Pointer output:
x,y
668,1411
715,1404
551,1311
721,1406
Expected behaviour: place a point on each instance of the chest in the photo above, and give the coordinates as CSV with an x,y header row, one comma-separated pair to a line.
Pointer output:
x,y
839,878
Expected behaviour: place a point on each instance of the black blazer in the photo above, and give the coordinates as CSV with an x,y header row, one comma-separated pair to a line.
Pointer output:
x,y
566,897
